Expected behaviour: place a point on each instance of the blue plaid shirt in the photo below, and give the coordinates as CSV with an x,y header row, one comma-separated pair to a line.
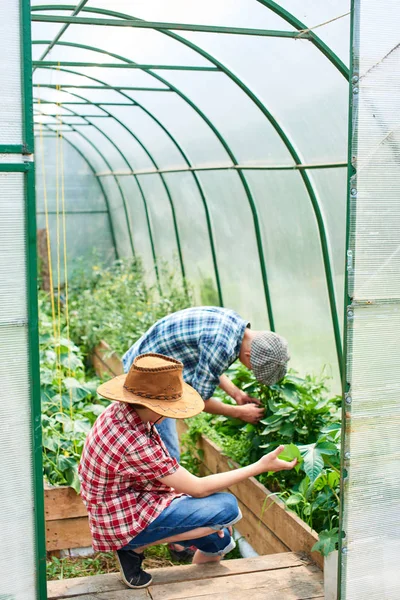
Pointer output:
x,y
206,340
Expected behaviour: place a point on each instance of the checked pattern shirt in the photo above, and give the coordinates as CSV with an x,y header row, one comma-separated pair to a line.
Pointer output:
x,y
119,471
206,340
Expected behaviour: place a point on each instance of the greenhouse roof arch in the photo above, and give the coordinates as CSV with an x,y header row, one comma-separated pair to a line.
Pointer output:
x,y
299,164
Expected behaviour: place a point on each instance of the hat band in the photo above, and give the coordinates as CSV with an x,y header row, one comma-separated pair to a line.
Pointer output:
x,y
169,398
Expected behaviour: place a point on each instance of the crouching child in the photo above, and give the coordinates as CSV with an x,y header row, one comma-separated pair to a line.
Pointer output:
x,y
136,495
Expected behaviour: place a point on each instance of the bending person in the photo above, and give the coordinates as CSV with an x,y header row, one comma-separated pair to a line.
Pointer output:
x,y
136,494
207,340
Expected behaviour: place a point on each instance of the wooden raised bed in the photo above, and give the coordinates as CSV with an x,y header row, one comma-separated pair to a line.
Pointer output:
x,y
66,519
267,524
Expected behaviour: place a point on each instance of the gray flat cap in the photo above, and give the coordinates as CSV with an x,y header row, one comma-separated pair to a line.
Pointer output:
x,y
269,357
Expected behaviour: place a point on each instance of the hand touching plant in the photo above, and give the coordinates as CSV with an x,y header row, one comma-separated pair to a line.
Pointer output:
x,y
272,462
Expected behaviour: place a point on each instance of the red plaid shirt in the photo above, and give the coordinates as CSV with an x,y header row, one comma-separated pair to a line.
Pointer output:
x,y
119,472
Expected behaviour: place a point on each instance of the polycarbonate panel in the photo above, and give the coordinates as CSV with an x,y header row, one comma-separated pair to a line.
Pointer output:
x,y
143,46
10,74
372,493
194,235
82,195
12,246
238,261
107,148
116,199
371,503
160,218
139,225
327,19
316,123
249,134
90,152
330,186
151,134
81,189
123,77
241,13
17,557
94,240
134,154
295,270
17,554
195,136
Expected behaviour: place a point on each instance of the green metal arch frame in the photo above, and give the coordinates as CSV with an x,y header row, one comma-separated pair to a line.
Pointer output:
x,y
198,184
179,148
228,150
289,145
106,162
128,165
165,185
314,39
115,179
93,170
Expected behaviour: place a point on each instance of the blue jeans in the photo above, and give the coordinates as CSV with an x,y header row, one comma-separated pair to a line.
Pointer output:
x,y
185,513
169,435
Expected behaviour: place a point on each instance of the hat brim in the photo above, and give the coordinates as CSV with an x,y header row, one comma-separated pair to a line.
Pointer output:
x,y
189,405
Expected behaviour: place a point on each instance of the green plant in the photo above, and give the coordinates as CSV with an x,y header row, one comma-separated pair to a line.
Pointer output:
x,y
70,404
208,292
299,413
115,303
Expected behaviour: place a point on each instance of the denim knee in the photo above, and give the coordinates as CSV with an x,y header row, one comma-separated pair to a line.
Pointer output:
x,y
231,509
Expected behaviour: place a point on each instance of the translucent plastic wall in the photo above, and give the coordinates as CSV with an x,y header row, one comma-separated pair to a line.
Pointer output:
x,y
218,132
21,503
371,548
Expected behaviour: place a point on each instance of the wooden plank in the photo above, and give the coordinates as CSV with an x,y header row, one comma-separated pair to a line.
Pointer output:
x,y
259,536
106,362
259,594
271,511
126,594
62,503
287,584
67,588
62,534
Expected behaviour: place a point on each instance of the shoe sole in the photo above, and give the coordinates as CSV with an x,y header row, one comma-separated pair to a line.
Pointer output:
x,y
133,587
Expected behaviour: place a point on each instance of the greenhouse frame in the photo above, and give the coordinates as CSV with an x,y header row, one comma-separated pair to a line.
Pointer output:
x,y
255,146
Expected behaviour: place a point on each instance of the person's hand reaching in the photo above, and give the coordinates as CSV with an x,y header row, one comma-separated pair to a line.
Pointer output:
x,y
271,462
250,413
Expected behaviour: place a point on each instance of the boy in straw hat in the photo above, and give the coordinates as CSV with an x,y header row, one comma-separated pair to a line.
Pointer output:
x,y
136,494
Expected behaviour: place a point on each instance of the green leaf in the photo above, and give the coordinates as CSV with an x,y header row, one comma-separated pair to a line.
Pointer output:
x,y
328,541
50,443
71,475
287,430
65,462
304,485
290,452
293,500
327,448
291,397
313,461
271,420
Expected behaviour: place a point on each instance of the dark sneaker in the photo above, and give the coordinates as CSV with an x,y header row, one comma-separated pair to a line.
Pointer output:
x,y
181,555
130,564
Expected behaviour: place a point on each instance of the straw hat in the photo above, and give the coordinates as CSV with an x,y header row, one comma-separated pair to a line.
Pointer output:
x,y
156,382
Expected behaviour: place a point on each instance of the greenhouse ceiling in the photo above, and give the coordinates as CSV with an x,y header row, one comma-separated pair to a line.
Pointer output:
x,y
219,129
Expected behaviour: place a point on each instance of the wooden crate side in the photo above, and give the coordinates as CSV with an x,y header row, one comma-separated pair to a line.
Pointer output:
x,y
62,503
286,526
62,534
106,362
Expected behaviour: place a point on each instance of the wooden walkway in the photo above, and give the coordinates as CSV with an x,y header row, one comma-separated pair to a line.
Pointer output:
x,y
284,576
